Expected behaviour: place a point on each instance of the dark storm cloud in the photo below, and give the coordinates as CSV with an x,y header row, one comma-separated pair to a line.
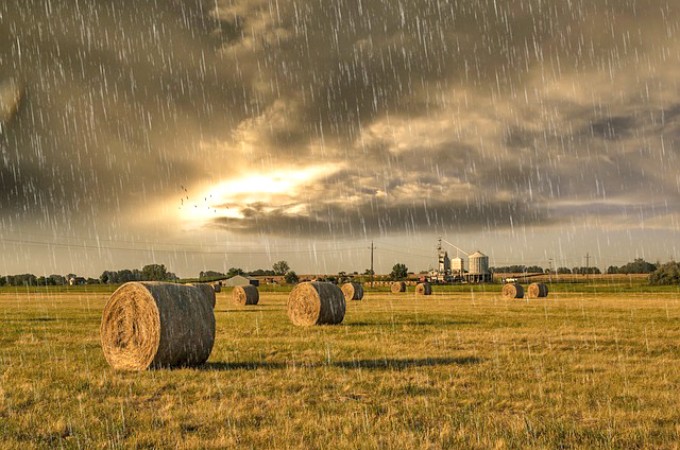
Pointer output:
x,y
442,113
374,218
114,96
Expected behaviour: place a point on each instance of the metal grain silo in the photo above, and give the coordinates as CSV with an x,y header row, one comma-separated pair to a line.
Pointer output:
x,y
479,263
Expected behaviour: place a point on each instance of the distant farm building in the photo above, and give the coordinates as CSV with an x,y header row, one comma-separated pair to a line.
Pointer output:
x,y
240,280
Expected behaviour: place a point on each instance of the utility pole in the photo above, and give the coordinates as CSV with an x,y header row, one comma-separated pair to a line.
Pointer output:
x,y
372,247
587,260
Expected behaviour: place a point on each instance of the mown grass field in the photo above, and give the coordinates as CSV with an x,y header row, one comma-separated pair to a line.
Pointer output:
x,y
587,367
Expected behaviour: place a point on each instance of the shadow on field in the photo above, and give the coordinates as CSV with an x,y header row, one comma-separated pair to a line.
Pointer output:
x,y
383,363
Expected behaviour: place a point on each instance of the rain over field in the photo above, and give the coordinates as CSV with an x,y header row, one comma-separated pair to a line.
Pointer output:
x,y
351,224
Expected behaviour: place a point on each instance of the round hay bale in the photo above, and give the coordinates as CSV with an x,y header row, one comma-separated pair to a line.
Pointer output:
x,y
423,289
537,290
154,324
352,291
217,287
513,290
245,295
398,287
316,303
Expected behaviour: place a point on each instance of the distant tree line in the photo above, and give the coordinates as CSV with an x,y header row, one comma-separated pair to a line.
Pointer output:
x,y
517,268
150,272
28,279
639,265
280,268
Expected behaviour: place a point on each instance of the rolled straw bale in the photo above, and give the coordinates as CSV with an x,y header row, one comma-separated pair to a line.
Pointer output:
x,y
398,287
217,286
423,289
352,291
245,295
537,290
513,290
316,303
154,324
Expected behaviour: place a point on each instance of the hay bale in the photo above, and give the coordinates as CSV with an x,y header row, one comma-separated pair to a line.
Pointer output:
x,y
316,303
352,291
537,290
513,290
217,286
398,287
245,295
154,324
423,289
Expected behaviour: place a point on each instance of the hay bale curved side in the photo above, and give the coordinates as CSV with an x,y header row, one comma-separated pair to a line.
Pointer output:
x,y
537,290
245,295
423,289
208,291
353,291
154,324
513,290
398,287
316,303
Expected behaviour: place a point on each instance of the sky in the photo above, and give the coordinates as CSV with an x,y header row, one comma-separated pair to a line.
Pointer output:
x,y
205,135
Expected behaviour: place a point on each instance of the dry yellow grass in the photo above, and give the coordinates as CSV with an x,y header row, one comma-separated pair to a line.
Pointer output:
x,y
455,370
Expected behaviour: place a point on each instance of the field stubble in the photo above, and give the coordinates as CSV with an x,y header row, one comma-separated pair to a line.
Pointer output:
x,y
453,369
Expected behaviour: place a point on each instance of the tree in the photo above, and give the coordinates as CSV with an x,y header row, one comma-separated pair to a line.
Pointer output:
x,y
563,270
639,265
210,275
262,273
291,277
399,271
154,272
233,271
668,273
281,268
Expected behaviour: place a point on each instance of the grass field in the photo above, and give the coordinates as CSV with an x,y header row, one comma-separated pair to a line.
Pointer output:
x,y
587,367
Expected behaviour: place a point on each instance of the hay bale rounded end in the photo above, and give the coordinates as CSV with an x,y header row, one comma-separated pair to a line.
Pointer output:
x,y
148,325
316,303
537,290
423,289
245,295
512,290
352,291
398,287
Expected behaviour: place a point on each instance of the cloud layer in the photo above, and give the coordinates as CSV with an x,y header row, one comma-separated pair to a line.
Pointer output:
x,y
439,115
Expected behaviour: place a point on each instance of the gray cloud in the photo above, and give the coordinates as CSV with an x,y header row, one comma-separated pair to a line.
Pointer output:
x,y
460,115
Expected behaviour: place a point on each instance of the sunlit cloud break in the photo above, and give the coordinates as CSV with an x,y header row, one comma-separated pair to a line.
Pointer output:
x,y
287,191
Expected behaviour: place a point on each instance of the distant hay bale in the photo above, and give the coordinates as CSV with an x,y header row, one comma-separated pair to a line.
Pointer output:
x,y
245,295
154,324
398,287
423,289
352,291
316,303
513,290
217,286
537,290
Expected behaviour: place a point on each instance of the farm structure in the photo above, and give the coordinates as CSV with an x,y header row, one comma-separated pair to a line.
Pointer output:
x,y
453,270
